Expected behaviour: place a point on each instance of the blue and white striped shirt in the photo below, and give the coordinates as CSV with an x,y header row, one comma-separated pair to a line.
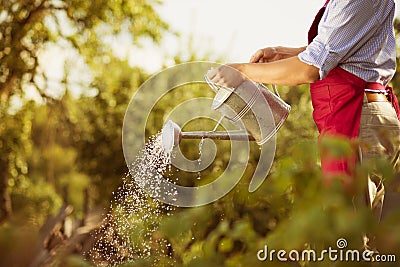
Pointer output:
x,y
358,36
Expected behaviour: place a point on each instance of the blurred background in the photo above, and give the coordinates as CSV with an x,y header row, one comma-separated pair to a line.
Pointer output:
x,y
68,70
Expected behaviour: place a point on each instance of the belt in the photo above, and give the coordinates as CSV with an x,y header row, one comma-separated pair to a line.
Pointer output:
x,y
376,97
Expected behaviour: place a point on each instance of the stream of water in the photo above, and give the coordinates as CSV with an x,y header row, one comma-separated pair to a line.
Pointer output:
x,y
201,147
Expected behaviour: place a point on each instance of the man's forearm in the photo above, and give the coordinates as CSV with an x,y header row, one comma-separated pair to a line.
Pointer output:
x,y
287,52
289,71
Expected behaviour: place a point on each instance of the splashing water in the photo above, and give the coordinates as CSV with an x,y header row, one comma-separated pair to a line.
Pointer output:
x,y
201,146
130,230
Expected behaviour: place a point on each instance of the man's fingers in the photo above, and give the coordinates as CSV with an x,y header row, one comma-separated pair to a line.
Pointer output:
x,y
212,73
257,56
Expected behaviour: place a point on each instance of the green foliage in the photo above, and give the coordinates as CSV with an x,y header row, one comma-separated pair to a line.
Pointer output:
x,y
292,210
33,202
26,26
49,143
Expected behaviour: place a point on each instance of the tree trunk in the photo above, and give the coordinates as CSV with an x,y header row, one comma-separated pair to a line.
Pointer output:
x,y
5,200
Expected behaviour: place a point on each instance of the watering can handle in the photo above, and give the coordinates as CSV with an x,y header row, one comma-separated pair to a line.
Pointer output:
x,y
275,90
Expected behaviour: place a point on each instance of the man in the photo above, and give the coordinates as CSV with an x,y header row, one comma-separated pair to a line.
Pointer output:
x,y
349,61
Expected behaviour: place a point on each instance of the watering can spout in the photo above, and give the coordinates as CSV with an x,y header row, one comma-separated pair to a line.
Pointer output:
x,y
172,135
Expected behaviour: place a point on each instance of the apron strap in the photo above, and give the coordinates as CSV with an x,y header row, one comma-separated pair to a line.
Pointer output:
x,y
313,31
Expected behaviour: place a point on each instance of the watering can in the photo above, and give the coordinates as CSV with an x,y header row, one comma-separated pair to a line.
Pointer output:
x,y
251,105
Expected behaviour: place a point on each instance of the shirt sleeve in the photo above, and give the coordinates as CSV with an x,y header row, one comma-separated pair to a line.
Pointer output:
x,y
345,26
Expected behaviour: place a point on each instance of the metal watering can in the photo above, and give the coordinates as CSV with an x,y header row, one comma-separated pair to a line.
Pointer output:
x,y
260,111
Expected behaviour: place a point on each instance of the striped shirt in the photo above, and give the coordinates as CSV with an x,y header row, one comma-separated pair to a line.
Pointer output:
x,y
358,36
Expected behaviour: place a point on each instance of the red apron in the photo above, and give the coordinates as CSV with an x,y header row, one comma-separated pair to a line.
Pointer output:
x,y
337,101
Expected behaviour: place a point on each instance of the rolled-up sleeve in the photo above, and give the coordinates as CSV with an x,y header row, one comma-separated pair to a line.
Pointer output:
x,y
345,26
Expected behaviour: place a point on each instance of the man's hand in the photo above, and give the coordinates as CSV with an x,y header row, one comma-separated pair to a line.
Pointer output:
x,y
271,54
227,75
268,54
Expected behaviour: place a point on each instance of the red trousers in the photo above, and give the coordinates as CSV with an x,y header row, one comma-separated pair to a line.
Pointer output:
x,y
337,101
